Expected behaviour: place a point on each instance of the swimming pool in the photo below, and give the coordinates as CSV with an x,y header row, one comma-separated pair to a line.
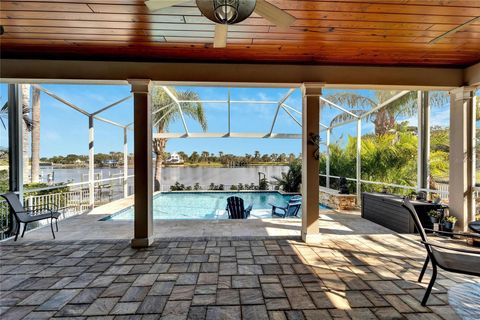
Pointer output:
x,y
206,205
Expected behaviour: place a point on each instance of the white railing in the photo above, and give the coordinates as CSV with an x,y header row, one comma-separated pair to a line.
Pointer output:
x,y
72,199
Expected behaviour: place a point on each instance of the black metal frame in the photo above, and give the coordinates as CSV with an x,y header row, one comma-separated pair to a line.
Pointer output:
x,y
430,256
45,211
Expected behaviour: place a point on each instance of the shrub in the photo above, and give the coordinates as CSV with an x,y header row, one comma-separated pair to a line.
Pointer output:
x,y
233,187
197,186
177,187
290,181
263,184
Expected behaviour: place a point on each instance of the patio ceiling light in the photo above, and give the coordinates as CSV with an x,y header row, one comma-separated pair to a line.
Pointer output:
x,y
227,12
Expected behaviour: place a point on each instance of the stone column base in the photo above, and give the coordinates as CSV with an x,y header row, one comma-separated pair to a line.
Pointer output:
x,y
141,242
311,238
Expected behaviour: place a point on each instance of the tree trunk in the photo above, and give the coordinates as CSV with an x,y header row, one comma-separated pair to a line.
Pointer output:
x,y
26,132
35,135
159,149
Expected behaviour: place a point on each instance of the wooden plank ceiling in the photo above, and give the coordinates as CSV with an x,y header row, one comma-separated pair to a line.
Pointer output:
x,y
380,32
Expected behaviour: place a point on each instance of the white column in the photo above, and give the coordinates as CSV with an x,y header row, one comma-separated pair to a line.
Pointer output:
x,y
423,154
327,184
91,163
359,161
310,165
143,221
125,162
462,135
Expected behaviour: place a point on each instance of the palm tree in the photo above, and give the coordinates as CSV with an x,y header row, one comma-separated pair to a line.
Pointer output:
x,y
35,134
384,118
165,112
26,128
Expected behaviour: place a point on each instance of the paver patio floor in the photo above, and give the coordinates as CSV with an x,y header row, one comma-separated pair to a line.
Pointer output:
x,y
347,276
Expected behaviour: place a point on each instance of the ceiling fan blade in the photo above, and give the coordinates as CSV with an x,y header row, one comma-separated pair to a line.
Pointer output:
x,y
154,5
274,14
220,40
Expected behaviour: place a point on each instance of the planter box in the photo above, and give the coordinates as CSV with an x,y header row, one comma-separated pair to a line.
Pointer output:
x,y
387,210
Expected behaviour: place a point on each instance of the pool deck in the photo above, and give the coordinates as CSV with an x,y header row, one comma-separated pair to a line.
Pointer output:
x,y
213,270
88,226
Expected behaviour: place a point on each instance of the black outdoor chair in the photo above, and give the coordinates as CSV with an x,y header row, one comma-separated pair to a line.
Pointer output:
x,y
30,214
448,258
236,210
291,210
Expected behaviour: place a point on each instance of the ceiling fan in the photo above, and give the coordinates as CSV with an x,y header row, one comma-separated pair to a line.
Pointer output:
x,y
227,12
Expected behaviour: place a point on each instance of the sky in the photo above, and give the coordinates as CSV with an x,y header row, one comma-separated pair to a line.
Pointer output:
x,y
65,131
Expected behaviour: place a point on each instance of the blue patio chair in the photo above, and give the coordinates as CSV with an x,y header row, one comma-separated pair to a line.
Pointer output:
x,y
236,210
291,210
30,214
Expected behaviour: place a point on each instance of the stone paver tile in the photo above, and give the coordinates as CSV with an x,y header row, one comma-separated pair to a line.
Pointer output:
x,y
102,281
361,314
197,313
228,268
321,300
250,269
145,280
224,282
273,290
389,313
245,282
176,310
207,278
204,299
357,300
255,312
251,296
206,289
125,308
337,299
72,310
269,279
87,295
277,315
277,304
101,307
16,313
115,290
118,270
182,293
385,287
187,278
317,315
57,301
294,315
223,313
37,298
376,298
290,281
228,297
152,305
161,288
39,315
135,294
299,298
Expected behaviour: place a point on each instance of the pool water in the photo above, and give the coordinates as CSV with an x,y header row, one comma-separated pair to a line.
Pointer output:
x,y
206,205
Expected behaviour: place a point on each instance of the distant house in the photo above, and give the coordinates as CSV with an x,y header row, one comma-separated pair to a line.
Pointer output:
x,y
110,163
174,158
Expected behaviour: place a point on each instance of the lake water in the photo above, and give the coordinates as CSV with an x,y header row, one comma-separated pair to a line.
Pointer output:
x,y
186,175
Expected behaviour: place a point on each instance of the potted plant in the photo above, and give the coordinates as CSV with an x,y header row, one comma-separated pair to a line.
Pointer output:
x,y
449,223
413,195
434,216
